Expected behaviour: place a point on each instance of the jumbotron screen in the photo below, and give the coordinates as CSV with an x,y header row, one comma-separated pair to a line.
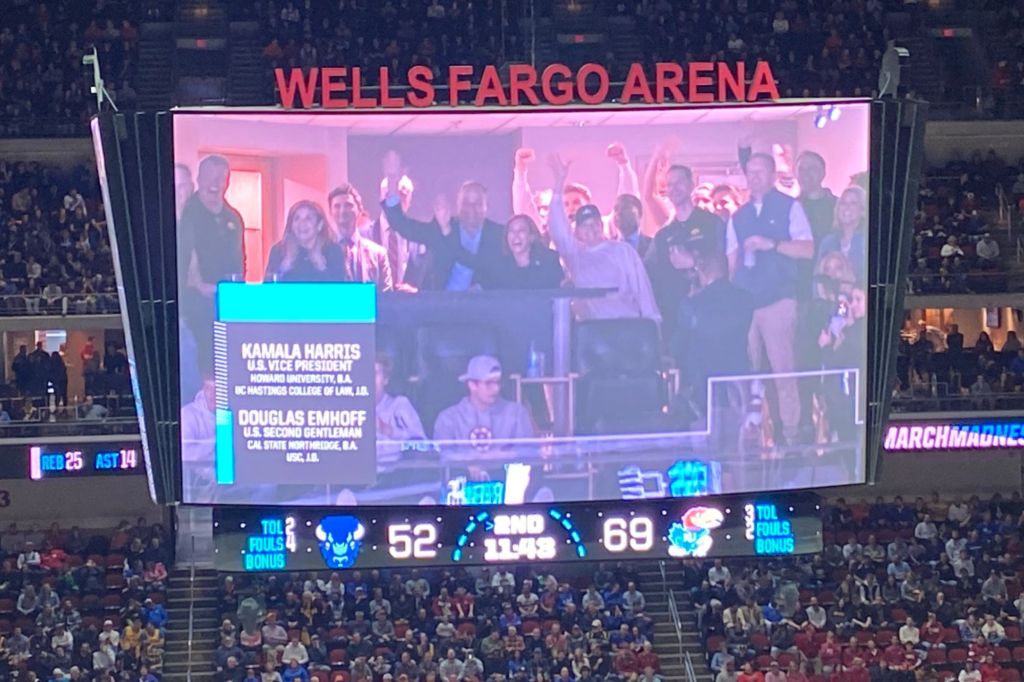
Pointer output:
x,y
531,306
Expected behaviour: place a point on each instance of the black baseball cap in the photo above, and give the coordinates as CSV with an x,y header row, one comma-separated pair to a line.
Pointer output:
x,y
588,211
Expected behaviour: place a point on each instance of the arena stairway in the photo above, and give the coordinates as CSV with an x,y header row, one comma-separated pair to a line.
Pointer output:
x,y
666,644
206,622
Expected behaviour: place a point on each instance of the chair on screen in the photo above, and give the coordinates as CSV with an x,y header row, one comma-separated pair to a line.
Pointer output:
x,y
442,353
621,387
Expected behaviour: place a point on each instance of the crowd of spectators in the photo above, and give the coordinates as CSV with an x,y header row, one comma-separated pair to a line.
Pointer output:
x,y
55,256
954,249
922,591
44,88
39,390
939,367
513,623
75,605
814,50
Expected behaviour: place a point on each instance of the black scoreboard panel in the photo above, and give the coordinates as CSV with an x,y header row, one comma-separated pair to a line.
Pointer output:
x,y
274,539
46,461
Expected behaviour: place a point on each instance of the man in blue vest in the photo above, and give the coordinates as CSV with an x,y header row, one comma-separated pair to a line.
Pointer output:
x,y
765,241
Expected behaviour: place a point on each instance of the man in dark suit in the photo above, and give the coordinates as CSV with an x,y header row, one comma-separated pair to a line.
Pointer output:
x,y
627,215
365,260
462,246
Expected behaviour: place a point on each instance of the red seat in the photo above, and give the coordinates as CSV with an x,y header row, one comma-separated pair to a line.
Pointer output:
x,y
950,635
957,655
827,597
469,630
1012,633
759,641
7,605
114,561
1018,654
1001,654
936,656
1010,675
338,658
335,634
714,641
762,662
899,615
114,581
785,660
112,602
864,636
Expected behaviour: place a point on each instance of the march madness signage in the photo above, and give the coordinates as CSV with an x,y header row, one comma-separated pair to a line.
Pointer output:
x,y
340,87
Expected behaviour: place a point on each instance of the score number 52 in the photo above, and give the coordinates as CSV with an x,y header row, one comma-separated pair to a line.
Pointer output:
x,y
412,541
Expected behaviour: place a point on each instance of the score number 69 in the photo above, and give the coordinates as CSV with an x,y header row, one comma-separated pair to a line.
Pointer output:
x,y
635,534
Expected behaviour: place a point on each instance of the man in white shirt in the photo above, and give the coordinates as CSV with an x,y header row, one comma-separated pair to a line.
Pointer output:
x,y
852,549
633,601
909,632
987,250
765,241
29,560
719,575
295,651
925,529
955,543
816,615
503,582
959,512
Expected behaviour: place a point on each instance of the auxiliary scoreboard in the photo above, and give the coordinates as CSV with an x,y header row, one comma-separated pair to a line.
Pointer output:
x,y
269,539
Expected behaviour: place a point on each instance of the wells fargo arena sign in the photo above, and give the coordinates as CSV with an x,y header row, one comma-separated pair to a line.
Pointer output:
x,y
339,87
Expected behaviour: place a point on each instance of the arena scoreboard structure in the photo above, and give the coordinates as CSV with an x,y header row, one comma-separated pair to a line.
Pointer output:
x,y
333,345
268,539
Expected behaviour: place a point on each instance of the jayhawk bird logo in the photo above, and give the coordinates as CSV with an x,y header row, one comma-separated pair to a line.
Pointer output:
x,y
691,535
340,539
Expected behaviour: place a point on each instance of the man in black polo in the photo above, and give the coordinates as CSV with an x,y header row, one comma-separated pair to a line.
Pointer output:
x,y
766,240
670,284
210,234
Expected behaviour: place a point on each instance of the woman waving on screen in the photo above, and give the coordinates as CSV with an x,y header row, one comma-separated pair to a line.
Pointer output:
x,y
308,251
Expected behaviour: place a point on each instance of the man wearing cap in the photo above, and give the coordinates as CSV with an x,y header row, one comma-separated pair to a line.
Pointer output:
x,y
483,415
710,338
593,261
766,240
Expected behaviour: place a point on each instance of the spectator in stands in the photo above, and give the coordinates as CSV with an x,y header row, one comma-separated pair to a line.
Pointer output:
x,y
987,251
465,247
765,240
308,250
483,415
363,259
528,263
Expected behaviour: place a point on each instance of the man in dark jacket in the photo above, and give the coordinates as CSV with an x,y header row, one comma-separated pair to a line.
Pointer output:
x,y
462,246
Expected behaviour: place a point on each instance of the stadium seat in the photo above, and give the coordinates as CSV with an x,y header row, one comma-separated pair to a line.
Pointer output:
x,y
1001,654
1010,675
957,655
936,656
620,388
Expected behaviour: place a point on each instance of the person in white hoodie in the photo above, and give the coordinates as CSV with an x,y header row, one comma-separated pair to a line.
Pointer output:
x,y
198,439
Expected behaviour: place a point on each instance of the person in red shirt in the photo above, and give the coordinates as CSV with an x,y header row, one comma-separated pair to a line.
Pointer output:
x,y
852,651
54,559
856,672
893,654
871,654
932,633
648,659
626,662
463,605
796,673
990,670
831,654
806,644
748,674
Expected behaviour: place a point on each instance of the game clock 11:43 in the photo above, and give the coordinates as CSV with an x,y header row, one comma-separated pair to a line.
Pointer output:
x,y
274,539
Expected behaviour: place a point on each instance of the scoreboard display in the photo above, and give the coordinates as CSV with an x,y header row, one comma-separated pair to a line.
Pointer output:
x,y
47,462
262,539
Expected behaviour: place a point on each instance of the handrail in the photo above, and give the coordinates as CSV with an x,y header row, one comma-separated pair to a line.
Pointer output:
x,y
191,607
673,609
